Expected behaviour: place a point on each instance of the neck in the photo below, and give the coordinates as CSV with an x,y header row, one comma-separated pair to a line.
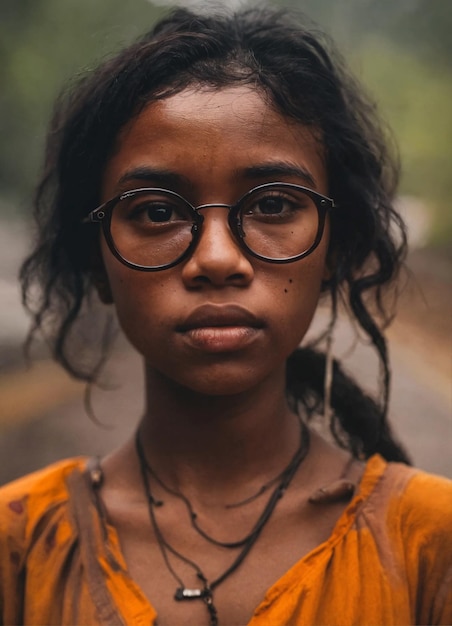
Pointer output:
x,y
212,441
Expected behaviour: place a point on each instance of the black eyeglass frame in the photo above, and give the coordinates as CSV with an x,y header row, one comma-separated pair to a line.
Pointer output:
x,y
102,215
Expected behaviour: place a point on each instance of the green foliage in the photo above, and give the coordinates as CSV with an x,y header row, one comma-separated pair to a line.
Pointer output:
x,y
403,52
415,98
44,43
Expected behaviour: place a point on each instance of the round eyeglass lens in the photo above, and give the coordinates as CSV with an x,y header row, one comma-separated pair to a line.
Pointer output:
x,y
151,228
279,222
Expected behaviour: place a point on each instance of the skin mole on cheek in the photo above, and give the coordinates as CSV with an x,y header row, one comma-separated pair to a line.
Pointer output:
x,y
290,281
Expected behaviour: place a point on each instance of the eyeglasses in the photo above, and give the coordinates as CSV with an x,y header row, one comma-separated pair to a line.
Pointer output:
x,y
152,229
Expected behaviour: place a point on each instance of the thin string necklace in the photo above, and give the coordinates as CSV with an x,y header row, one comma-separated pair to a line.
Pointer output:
x,y
205,593
231,505
193,515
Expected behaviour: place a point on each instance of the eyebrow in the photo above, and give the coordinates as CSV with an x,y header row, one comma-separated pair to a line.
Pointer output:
x,y
278,168
159,177
167,178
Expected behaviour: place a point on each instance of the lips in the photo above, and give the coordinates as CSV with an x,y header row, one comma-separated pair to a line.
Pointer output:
x,y
220,328
220,316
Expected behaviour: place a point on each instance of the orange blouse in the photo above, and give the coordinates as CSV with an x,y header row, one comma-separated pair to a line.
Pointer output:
x,y
388,560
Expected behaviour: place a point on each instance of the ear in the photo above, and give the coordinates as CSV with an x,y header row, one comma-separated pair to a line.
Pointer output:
x,y
101,283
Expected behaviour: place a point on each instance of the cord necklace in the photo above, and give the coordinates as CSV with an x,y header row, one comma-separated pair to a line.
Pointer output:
x,y
205,593
231,505
294,462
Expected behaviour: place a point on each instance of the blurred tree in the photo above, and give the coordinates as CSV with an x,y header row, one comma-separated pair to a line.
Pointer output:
x,y
416,101
403,52
43,43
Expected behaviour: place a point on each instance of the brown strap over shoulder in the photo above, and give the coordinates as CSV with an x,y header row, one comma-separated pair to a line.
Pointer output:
x,y
86,516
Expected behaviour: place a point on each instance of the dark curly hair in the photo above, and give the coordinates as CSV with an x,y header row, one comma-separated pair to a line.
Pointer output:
x,y
302,76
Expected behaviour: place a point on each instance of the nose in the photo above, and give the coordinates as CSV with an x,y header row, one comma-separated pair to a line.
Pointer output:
x,y
217,259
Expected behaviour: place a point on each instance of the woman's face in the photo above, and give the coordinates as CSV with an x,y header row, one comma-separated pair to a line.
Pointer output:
x,y
221,321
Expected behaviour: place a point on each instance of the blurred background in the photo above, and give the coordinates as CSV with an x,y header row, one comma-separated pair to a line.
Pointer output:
x,y
401,50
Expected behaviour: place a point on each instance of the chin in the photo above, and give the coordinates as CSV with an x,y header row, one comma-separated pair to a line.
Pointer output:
x,y
225,386
216,380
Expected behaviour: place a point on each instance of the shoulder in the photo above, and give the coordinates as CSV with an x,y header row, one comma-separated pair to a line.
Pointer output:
x,y
407,497
435,491
428,500
408,511
24,502
422,519
44,482
408,514
35,531
421,515
422,500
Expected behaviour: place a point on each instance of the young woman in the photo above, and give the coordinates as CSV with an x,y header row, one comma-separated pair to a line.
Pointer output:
x,y
211,182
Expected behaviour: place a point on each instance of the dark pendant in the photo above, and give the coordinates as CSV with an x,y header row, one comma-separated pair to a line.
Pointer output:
x,y
188,594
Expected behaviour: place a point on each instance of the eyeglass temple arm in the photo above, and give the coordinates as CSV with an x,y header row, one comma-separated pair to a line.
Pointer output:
x,y
95,216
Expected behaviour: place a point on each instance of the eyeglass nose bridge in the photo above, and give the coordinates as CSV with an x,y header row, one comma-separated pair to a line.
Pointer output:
x,y
236,228
214,205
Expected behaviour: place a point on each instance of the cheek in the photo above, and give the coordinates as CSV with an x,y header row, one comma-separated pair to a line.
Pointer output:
x,y
137,297
299,295
131,289
142,311
130,301
290,282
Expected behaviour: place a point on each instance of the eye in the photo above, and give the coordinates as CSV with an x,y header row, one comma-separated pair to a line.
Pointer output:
x,y
274,206
157,212
154,209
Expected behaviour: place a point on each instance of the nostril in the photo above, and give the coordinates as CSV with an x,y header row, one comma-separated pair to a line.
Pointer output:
x,y
201,280
236,277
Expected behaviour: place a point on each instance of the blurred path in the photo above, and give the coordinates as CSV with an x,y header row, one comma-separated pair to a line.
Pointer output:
x,y
42,417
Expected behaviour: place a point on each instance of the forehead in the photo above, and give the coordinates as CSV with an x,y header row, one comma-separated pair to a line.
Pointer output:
x,y
210,136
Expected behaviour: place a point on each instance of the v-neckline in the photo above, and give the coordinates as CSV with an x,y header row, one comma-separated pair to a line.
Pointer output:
x,y
104,561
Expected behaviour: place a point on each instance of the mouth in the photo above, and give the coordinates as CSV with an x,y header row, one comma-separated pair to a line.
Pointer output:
x,y
220,316
220,328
